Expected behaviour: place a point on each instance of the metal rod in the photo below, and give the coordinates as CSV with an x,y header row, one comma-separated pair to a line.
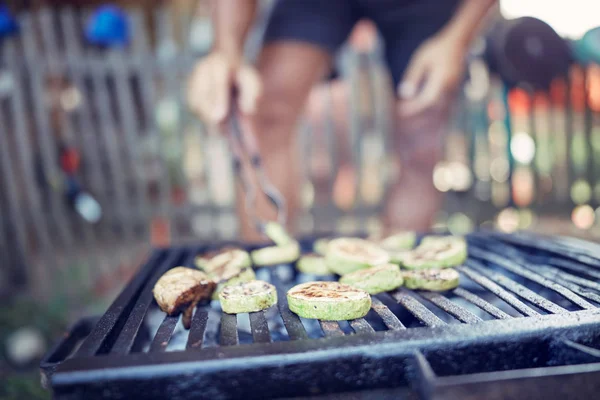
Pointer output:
x,y
259,327
292,322
197,329
481,303
526,272
361,326
331,328
451,308
417,309
521,290
163,335
389,318
228,334
136,316
99,335
498,291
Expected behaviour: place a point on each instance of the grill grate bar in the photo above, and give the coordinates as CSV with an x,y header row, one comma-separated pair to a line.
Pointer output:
x,y
196,335
581,281
389,318
260,328
292,322
331,328
451,308
163,335
556,248
228,335
129,332
498,291
481,303
567,264
583,292
361,326
522,291
527,273
417,309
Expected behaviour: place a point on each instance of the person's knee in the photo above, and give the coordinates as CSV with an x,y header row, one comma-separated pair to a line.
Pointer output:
x,y
275,119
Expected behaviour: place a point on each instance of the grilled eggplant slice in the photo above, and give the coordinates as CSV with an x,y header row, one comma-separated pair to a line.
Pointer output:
x,y
248,297
180,289
345,255
436,254
329,301
277,234
431,279
274,255
229,257
313,264
381,278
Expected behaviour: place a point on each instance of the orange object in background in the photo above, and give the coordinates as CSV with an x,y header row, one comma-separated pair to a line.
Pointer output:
x,y
160,232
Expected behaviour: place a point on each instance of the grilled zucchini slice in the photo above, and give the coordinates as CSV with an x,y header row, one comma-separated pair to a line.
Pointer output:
x,y
436,254
320,246
399,241
247,297
313,264
274,255
381,278
328,301
345,255
431,279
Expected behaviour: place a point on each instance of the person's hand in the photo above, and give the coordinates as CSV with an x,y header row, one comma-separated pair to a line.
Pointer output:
x,y
434,71
210,84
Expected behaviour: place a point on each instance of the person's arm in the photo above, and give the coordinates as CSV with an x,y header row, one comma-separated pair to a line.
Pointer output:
x,y
209,88
232,20
466,21
437,66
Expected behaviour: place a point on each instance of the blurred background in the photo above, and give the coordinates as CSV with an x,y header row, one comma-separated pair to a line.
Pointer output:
x,y
100,159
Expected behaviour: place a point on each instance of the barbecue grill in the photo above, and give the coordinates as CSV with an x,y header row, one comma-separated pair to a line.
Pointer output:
x,y
524,323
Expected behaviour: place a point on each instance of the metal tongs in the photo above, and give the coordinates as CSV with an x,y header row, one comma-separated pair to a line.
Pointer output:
x,y
243,141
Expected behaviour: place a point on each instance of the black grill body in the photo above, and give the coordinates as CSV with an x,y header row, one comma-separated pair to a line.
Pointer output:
x,y
524,323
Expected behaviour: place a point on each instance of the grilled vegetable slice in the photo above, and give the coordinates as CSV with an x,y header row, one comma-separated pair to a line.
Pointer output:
x,y
313,264
431,279
277,234
381,278
399,241
345,255
329,301
438,240
230,257
397,256
436,254
320,246
180,289
274,255
247,297
230,275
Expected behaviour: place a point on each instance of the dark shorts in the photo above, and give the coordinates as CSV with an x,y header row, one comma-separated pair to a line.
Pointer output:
x,y
403,24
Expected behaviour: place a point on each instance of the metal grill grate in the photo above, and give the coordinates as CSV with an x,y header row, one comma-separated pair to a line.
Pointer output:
x,y
502,300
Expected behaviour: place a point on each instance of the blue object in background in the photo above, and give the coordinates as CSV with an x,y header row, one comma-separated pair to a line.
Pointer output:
x,y
587,49
8,24
108,26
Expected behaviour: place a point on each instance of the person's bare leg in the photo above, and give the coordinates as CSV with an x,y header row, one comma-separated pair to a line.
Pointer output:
x,y
288,70
413,199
